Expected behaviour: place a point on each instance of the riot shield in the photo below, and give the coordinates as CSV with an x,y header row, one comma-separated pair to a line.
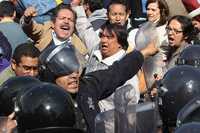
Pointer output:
x,y
154,65
125,111
104,122
146,33
127,117
133,118
122,119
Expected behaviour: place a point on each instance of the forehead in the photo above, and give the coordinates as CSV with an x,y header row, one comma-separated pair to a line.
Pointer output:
x,y
117,8
25,60
153,5
65,13
175,24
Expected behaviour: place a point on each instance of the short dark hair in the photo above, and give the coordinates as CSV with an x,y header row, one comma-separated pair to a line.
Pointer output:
x,y
120,31
125,3
94,4
164,10
60,7
7,9
186,25
25,49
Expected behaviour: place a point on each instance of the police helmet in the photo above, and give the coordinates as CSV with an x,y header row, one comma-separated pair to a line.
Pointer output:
x,y
178,86
190,56
61,60
9,90
46,105
190,112
192,127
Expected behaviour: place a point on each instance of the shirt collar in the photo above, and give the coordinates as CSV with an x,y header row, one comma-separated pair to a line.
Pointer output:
x,y
57,41
109,60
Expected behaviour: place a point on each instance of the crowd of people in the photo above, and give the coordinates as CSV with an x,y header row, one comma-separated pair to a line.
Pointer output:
x,y
65,62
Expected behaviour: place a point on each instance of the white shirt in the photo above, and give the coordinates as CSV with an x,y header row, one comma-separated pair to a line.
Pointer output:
x,y
58,41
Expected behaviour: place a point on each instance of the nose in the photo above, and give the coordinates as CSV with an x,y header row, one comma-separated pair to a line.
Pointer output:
x,y
66,20
117,18
103,41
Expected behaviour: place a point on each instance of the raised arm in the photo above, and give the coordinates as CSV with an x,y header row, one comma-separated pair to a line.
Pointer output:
x,y
85,29
30,27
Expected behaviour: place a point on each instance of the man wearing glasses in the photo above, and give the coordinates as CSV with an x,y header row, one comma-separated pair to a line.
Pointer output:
x,y
24,62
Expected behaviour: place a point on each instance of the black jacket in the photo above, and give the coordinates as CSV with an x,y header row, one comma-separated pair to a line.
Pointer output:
x,y
98,85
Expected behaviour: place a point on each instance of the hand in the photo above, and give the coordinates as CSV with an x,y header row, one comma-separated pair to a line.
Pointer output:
x,y
11,123
29,13
150,49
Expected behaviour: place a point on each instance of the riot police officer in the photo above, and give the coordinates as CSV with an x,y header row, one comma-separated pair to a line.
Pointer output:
x,y
178,86
63,64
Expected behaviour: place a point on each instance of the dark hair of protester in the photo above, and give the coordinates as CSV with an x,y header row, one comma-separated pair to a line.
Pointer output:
x,y
94,4
164,10
186,25
61,7
126,3
7,8
25,49
120,32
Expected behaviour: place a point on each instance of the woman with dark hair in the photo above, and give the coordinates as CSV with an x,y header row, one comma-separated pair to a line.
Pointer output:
x,y
157,11
180,32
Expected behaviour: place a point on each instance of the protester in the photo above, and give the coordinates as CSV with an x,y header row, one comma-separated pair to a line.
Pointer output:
x,y
54,32
24,62
9,27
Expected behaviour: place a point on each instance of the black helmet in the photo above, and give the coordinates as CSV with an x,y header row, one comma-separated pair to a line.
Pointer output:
x,y
9,90
192,127
43,106
179,85
56,130
190,112
190,56
61,60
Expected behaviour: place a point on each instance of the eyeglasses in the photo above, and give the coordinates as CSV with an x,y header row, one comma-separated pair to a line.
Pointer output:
x,y
168,29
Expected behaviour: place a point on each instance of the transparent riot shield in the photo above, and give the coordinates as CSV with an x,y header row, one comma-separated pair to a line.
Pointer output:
x,y
155,64
133,118
153,67
125,111
145,34
127,117
104,122
108,121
